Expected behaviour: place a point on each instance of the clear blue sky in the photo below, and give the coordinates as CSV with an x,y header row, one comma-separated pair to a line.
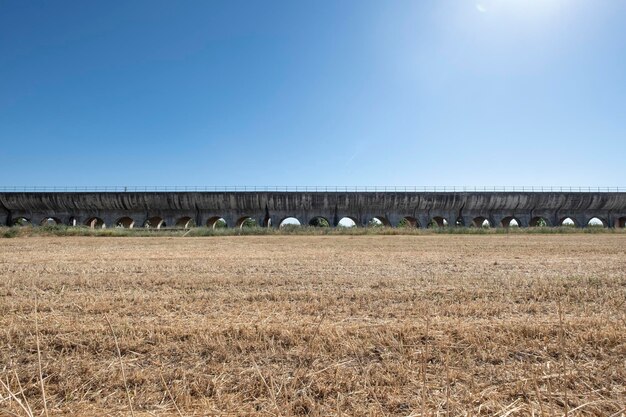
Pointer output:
x,y
439,92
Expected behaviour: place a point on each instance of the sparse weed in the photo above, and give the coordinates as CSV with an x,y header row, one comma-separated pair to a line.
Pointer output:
x,y
9,232
60,230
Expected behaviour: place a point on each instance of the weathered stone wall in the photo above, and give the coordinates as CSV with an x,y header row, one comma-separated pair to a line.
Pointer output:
x,y
463,207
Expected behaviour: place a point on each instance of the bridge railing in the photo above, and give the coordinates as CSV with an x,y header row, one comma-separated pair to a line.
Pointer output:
x,y
309,188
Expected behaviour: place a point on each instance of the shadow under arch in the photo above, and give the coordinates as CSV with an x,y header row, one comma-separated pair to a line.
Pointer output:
x,y
154,222
50,221
539,221
319,221
216,222
409,221
125,222
21,221
437,221
95,223
480,221
267,221
245,221
185,222
510,221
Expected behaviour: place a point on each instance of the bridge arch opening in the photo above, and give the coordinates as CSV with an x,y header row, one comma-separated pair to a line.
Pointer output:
x,y
50,221
568,222
539,222
125,223
319,221
216,222
481,221
510,221
597,222
621,222
95,223
245,222
185,222
347,222
408,221
290,221
437,221
21,221
379,221
155,222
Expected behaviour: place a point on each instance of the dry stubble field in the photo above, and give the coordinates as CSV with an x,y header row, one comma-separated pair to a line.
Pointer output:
x,y
444,325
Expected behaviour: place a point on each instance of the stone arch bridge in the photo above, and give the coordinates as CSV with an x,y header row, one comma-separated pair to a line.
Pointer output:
x,y
419,209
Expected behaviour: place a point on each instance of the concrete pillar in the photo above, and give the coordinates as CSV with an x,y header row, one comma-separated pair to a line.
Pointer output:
x,y
259,218
275,221
423,220
608,220
394,219
170,221
460,219
523,220
494,221
204,219
410,218
467,220
109,219
362,220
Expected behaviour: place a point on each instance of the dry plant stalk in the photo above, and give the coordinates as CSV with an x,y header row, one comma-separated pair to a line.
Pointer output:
x,y
119,355
19,385
564,377
170,394
43,390
424,366
448,387
26,408
550,397
538,396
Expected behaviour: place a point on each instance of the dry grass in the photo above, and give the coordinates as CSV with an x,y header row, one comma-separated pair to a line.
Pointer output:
x,y
447,325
